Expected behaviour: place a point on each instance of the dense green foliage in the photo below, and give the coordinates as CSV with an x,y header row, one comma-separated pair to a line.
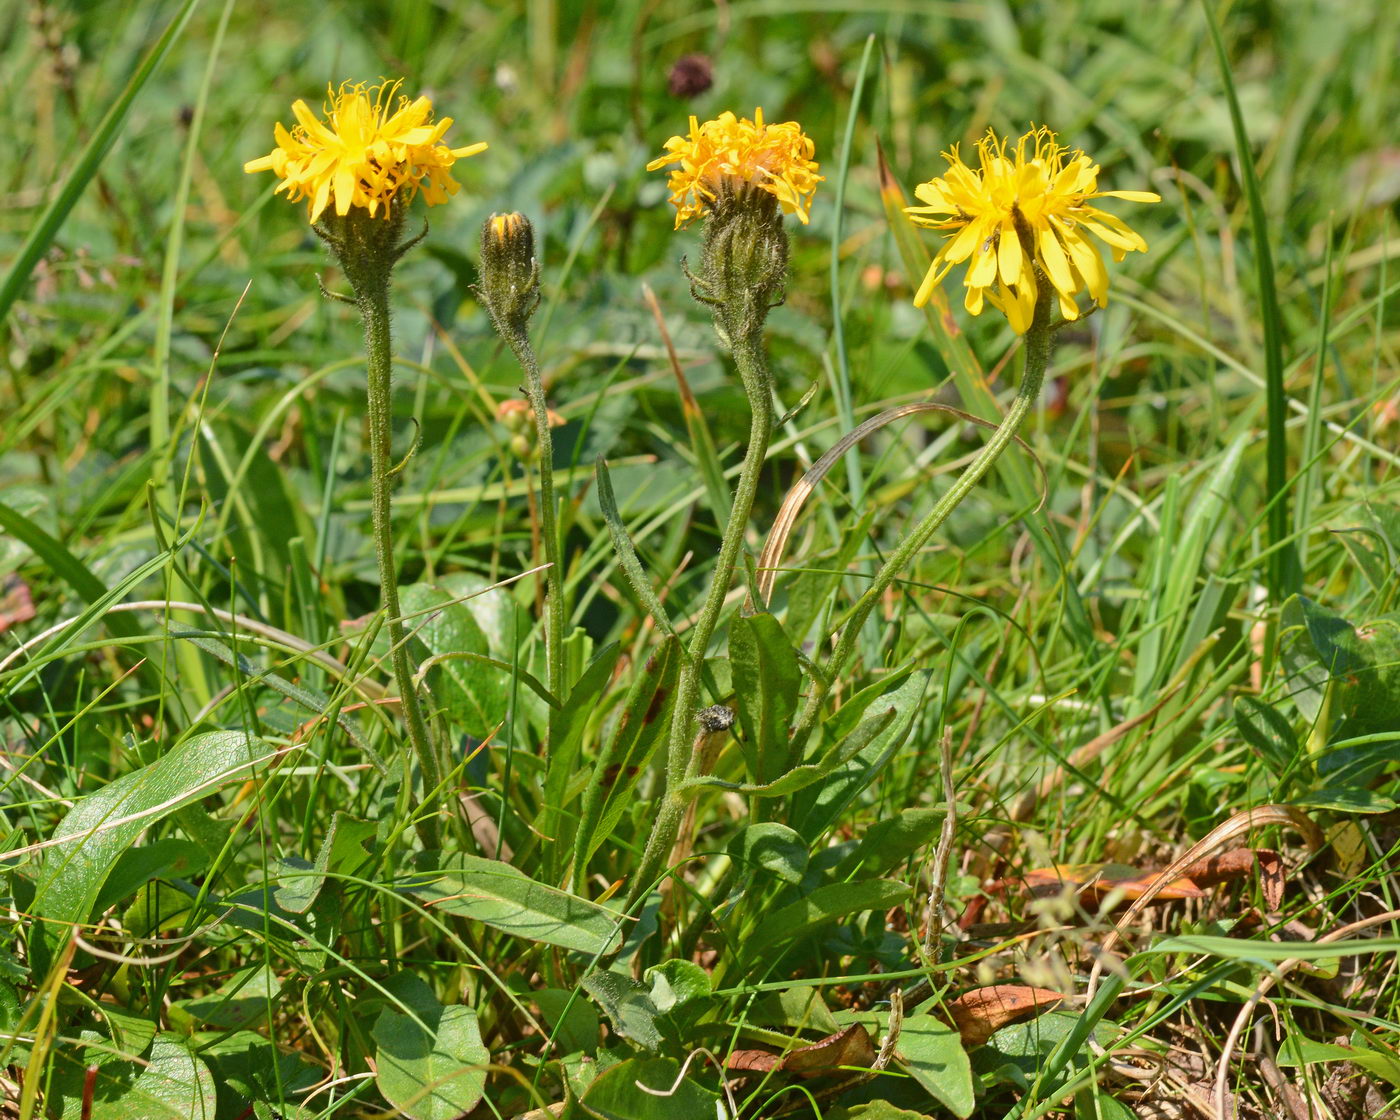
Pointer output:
x,y
1133,633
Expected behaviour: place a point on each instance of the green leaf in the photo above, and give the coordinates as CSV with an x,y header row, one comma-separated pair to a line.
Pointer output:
x,y
168,858
571,1018
1264,728
628,1006
1372,563
767,682
1095,1104
470,632
800,1008
621,1093
933,1054
1345,799
639,732
627,553
874,1110
798,778
434,1069
248,1068
820,806
246,1000
889,842
299,883
1240,949
1346,681
1016,1055
567,725
1363,1049
93,836
1284,574
676,983
168,1083
1387,522
773,847
823,906
504,898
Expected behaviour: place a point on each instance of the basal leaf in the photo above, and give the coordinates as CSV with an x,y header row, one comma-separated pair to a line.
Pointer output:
x,y
622,1093
93,836
434,1069
767,682
166,1083
504,898
934,1056
823,906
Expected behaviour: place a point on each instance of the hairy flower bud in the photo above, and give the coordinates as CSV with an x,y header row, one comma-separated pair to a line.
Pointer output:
x,y
743,259
510,275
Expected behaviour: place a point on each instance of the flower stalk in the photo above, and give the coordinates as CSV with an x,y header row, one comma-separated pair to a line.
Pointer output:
x,y
742,276
357,170
510,291
1039,344
683,763
367,249
741,176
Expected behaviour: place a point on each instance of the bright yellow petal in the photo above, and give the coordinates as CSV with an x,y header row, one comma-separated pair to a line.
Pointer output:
x,y
1053,257
1009,253
1131,196
1089,265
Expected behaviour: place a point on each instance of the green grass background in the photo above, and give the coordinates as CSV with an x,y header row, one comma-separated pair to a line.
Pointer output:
x,y
182,420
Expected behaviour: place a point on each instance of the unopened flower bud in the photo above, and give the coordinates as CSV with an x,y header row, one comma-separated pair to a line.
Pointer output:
x,y
518,418
510,275
514,414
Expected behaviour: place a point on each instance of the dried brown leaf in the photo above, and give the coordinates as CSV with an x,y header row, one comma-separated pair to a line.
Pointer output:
x,y
752,1061
982,1012
845,1048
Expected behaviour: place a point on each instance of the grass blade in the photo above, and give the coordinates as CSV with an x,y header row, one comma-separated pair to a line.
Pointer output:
x,y
85,167
1284,576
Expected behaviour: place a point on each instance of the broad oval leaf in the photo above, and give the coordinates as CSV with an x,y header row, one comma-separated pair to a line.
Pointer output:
x,y
434,1069
504,898
102,826
823,906
622,1093
472,620
933,1053
168,1083
772,847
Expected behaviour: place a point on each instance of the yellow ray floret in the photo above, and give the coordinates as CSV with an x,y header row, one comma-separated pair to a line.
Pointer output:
x,y
369,152
737,153
1020,208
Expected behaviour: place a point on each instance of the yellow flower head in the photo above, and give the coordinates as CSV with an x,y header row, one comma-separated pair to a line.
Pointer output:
x,y
1022,208
735,153
368,152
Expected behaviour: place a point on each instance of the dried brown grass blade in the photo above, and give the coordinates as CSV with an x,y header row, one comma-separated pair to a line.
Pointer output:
x,y
1227,832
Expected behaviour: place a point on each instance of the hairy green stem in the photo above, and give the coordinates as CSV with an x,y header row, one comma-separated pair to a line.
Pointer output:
x,y
1039,343
680,759
554,576
373,303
